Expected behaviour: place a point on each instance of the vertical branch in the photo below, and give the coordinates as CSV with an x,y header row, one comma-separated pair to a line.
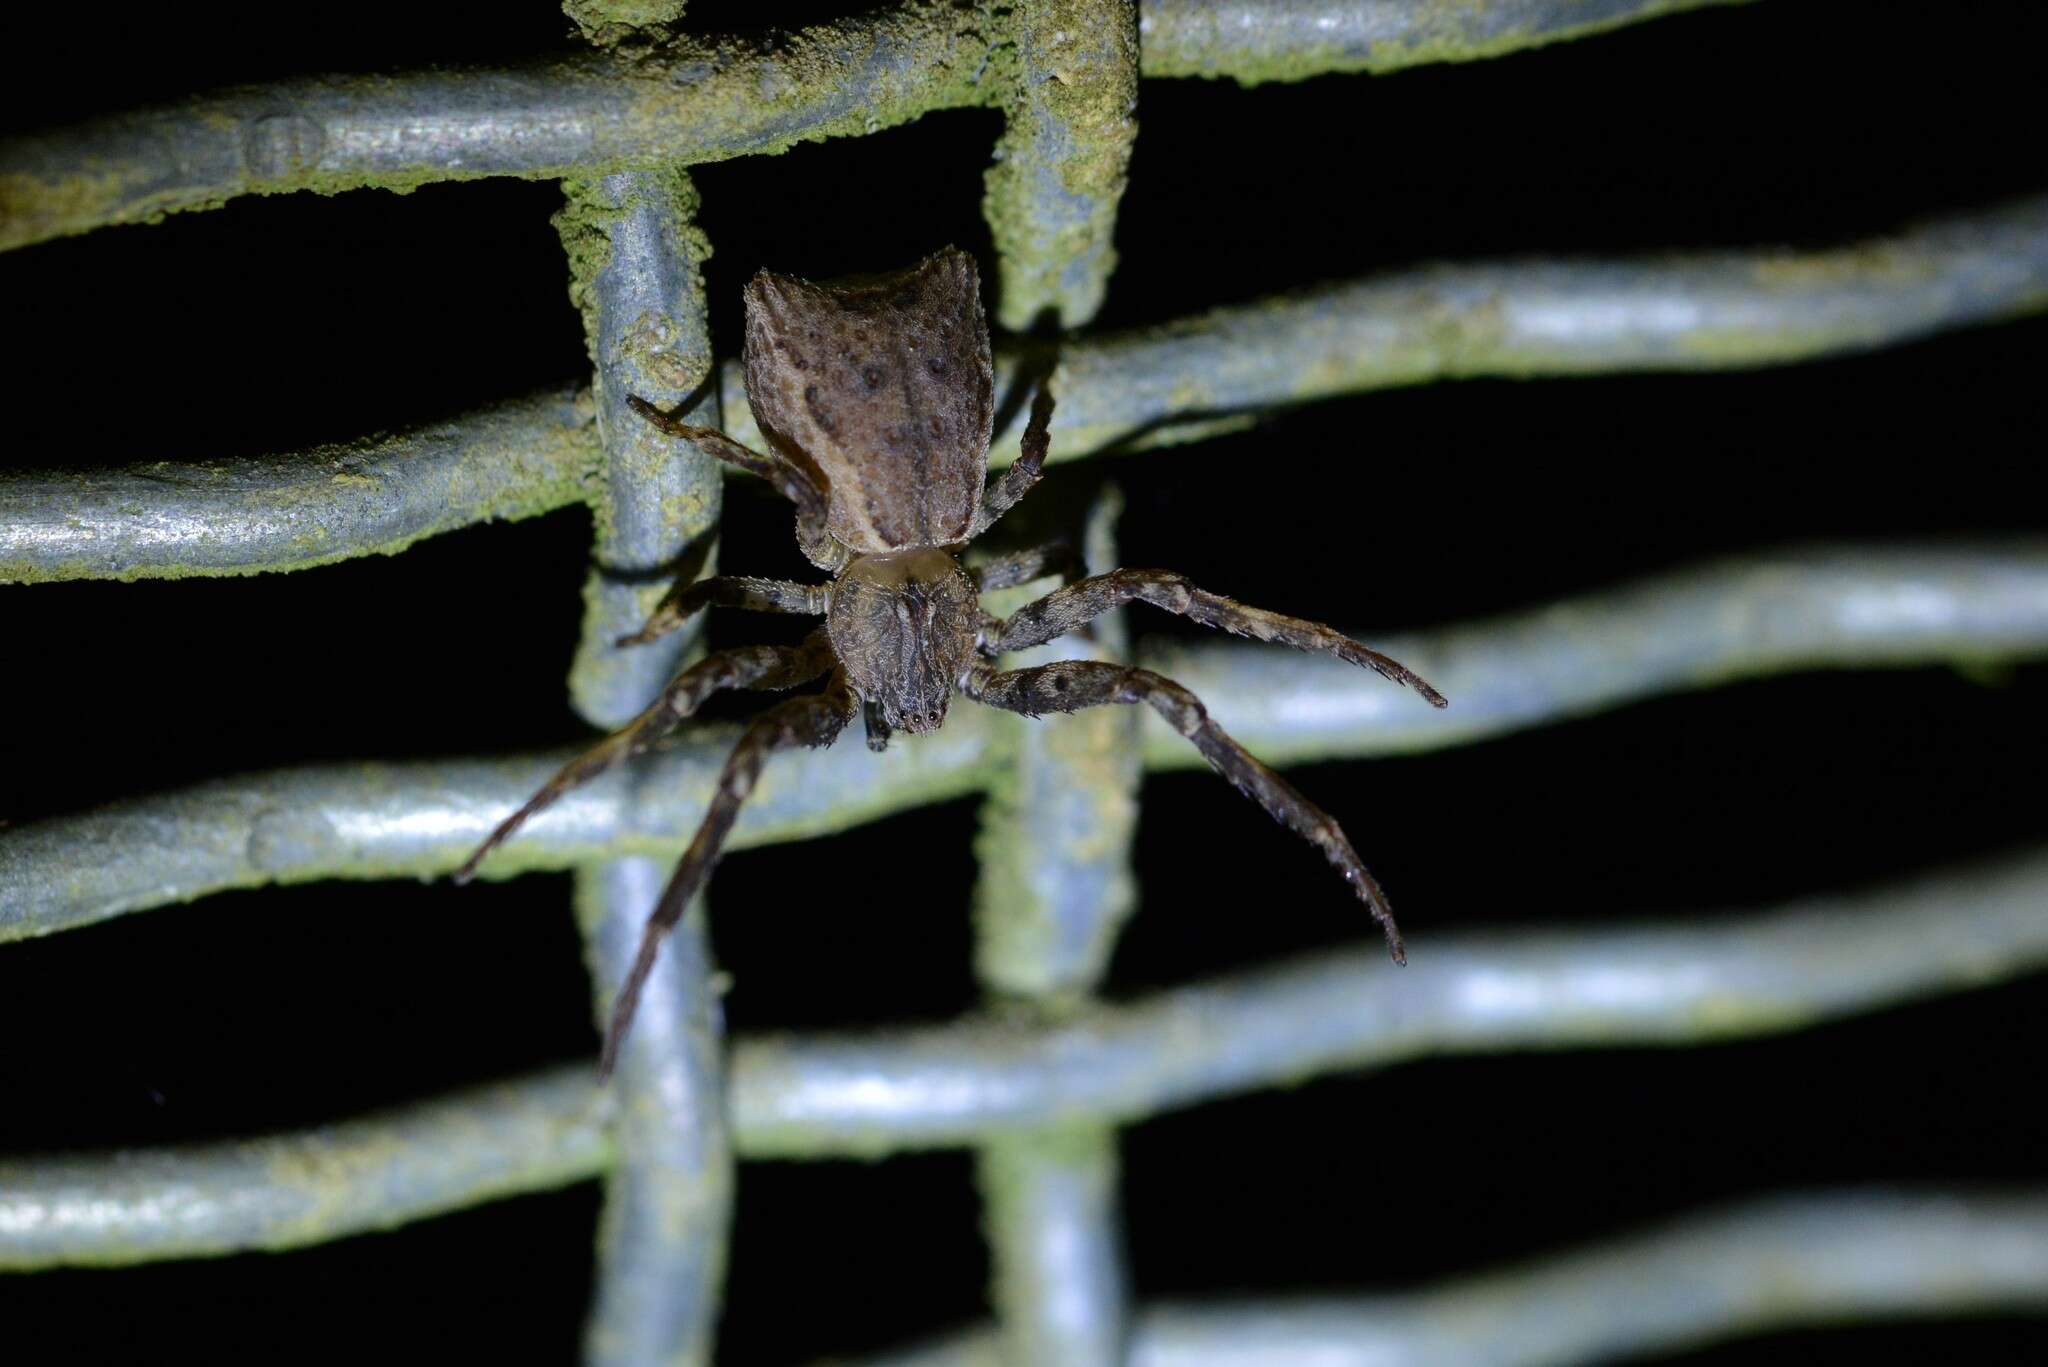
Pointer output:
x,y
1055,849
1054,852
1055,888
1063,160
668,1200
1050,1206
635,260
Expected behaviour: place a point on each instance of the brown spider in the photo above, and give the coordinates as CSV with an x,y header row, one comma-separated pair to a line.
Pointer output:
x,y
877,398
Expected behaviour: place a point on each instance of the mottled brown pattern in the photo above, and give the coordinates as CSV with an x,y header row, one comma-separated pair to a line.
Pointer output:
x,y
904,626
877,396
884,386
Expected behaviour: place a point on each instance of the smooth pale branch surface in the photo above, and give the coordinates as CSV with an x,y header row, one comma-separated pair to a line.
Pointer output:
x,y
1723,977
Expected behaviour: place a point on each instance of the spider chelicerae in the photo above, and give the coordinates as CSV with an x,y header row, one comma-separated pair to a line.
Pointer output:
x,y
876,396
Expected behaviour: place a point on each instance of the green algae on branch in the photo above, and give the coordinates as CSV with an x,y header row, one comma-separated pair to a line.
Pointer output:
x,y
1064,158
1254,41
687,101
588,115
609,23
636,259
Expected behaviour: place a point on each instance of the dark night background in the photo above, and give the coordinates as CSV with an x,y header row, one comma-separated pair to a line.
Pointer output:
x,y
277,323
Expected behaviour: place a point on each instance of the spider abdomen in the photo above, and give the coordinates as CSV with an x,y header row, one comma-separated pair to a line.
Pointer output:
x,y
883,385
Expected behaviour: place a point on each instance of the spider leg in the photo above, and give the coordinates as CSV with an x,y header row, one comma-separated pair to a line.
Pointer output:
x,y
1060,611
1021,567
1005,489
767,667
791,480
876,725
815,721
1010,570
1070,685
685,601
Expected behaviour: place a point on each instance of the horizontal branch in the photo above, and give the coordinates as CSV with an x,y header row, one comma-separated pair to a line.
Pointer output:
x,y
1766,1265
543,1132
168,519
1814,608
421,819
1723,978
1290,40
698,100
1186,380
586,115
1681,312
1728,976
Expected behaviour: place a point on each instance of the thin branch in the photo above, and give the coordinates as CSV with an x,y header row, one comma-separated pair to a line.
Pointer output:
x,y
1668,985
421,818
668,1197
1055,888
167,519
1251,41
583,115
536,1134
1773,1264
1154,387
1783,613
1728,977
698,100
1777,614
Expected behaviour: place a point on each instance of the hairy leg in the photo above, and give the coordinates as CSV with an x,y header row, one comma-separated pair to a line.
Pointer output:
x,y
768,667
1005,489
685,601
791,480
876,725
1071,685
1060,611
813,721
1021,567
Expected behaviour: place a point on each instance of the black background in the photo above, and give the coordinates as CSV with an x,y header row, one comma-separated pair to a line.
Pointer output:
x,y
273,324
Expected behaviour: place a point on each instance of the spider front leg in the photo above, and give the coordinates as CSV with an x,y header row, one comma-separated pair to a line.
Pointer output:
x,y
876,725
1003,491
685,601
814,721
1060,611
1021,567
1007,572
766,667
792,481
1070,685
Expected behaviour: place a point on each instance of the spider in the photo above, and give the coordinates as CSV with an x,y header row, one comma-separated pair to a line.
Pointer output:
x,y
876,395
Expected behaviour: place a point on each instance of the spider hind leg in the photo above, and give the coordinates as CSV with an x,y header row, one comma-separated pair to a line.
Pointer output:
x,y
815,720
1070,685
765,667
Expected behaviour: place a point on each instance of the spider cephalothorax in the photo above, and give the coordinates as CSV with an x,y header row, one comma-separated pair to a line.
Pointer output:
x,y
877,399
